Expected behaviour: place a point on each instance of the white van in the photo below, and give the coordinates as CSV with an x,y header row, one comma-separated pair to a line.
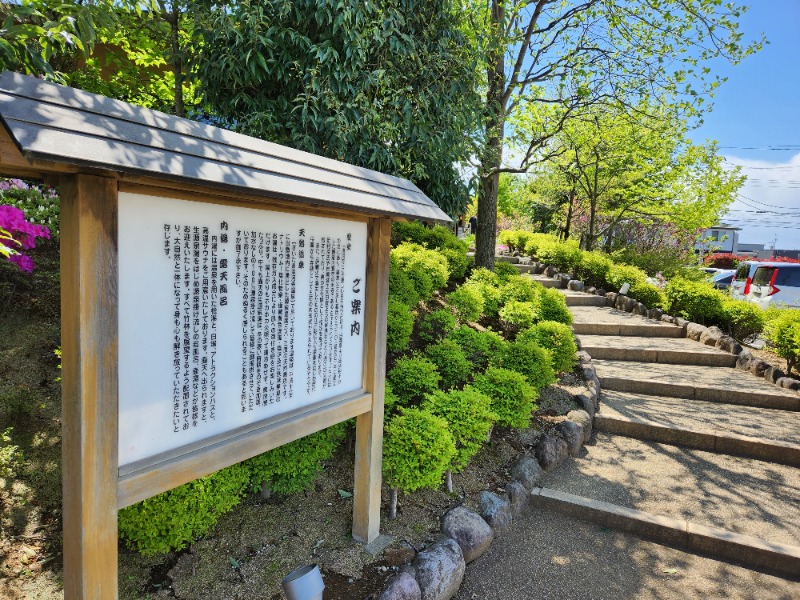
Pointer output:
x,y
775,283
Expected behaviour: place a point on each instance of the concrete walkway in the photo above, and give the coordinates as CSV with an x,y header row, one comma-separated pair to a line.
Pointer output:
x,y
689,488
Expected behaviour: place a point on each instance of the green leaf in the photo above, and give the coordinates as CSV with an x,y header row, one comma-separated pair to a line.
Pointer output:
x,y
345,494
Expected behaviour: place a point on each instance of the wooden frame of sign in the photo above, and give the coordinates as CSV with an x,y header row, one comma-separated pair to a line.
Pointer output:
x,y
100,150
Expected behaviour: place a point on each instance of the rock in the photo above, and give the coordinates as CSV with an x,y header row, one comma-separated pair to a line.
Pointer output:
x,y
789,383
683,323
600,292
518,496
667,319
551,451
729,344
563,280
594,392
624,303
758,366
640,309
396,557
591,290
694,331
586,403
402,586
472,533
524,260
743,360
529,437
440,570
584,357
509,259
538,268
611,299
576,285
495,510
528,472
589,372
572,433
711,336
584,419
772,374
655,313
550,270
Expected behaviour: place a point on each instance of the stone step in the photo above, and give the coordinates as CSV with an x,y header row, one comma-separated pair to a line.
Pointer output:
x,y
526,268
751,551
720,384
584,559
547,282
717,496
764,434
601,320
674,351
582,299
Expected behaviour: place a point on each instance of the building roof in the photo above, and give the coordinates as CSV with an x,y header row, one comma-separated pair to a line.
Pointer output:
x,y
63,125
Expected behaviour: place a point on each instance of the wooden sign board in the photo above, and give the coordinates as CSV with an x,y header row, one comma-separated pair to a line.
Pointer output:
x,y
221,296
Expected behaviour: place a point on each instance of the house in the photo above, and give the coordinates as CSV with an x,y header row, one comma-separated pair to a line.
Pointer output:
x,y
719,238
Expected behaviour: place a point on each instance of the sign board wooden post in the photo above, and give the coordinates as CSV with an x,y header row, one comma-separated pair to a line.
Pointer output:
x,y
221,296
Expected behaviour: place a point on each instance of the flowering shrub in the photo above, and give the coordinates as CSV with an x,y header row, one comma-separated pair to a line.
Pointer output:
x,y
723,260
18,233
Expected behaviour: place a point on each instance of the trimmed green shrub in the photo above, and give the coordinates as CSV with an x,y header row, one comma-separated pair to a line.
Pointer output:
x,y
513,398
509,238
484,275
409,231
401,287
467,302
516,316
535,241
173,519
783,332
528,358
594,268
558,339
648,294
522,289
417,450
435,238
389,400
399,326
453,365
291,468
469,419
505,270
694,300
412,377
742,319
437,324
427,269
620,274
490,296
478,346
566,255
553,307
457,261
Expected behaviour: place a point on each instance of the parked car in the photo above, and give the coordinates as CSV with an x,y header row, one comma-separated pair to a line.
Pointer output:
x,y
776,283
767,283
722,278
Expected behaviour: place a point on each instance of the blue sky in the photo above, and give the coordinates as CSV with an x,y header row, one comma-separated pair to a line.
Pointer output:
x,y
756,120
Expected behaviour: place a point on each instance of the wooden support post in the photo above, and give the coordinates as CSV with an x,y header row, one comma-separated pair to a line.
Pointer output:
x,y
369,426
90,404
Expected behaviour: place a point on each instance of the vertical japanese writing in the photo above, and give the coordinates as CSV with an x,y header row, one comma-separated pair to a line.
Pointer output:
x,y
266,265
326,262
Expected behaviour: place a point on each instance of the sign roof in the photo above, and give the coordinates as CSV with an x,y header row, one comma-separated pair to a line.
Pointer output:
x,y
60,124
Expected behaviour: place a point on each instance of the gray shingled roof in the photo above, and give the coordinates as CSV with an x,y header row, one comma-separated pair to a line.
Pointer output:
x,y
65,125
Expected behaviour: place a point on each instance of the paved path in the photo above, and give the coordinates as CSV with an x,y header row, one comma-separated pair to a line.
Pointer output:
x,y
689,488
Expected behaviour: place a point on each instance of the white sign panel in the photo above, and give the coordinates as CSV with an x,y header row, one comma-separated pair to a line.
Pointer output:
x,y
229,316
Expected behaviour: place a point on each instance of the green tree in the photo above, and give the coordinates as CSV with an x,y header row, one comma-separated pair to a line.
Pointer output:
x,y
616,166
37,33
389,85
566,55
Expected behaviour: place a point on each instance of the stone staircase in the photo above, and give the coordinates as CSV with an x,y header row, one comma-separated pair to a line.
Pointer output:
x,y
688,451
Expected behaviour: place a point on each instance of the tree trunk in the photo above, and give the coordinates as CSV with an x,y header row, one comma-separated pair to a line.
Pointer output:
x,y
448,481
590,236
568,224
174,20
492,156
393,503
266,490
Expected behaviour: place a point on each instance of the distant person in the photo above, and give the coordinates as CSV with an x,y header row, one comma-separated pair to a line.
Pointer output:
x,y
473,224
